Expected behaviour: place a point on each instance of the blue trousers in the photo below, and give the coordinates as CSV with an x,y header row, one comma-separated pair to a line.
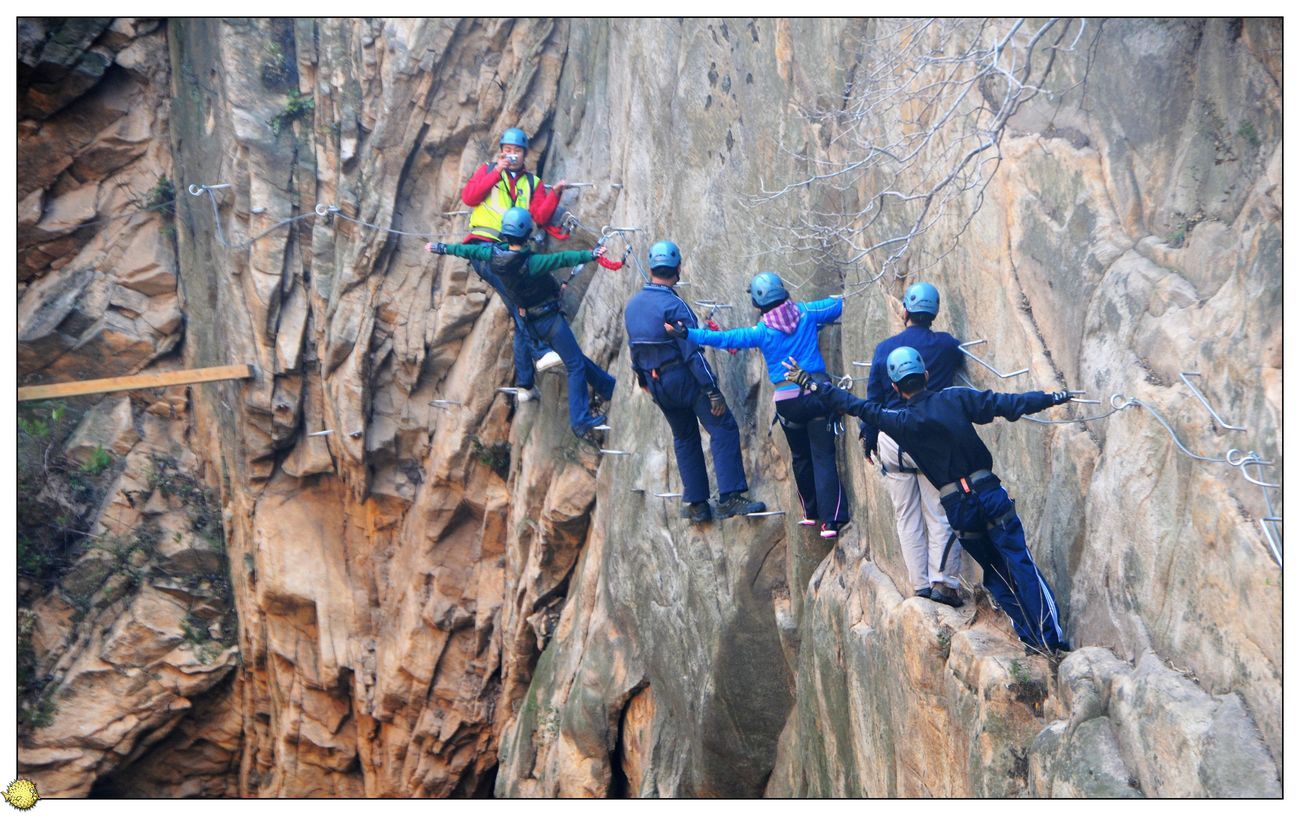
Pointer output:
x,y
806,423
1010,574
582,372
527,346
686,408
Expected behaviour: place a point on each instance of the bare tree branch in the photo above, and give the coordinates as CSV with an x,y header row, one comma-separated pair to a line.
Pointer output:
x,y
914,140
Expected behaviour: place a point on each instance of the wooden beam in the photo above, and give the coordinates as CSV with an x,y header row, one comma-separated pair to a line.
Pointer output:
x,y
156,379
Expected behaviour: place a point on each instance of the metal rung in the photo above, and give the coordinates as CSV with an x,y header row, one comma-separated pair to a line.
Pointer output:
x,y
668,495
862,363
766,513
601,428
1184,375
609,452
322,433
962,348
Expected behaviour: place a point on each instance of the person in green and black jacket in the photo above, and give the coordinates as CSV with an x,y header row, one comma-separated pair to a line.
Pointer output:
x,y
536,295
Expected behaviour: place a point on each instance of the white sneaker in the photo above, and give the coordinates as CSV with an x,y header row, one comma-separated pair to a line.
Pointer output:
x,y
526,394
548,360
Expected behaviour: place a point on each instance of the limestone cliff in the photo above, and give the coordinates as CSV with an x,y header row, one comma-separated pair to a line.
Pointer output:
x,y
418,588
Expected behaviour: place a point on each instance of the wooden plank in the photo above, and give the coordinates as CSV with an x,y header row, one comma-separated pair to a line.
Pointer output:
x,y
156,379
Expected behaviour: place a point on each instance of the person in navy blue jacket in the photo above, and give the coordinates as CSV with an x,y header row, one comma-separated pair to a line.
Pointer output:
x,y
938,429
923,532
789,329
676,375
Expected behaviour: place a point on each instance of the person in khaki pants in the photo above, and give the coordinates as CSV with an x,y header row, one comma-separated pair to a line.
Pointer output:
x,y
923,531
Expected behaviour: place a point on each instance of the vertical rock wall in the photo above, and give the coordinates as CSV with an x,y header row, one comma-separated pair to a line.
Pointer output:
x,y
461,599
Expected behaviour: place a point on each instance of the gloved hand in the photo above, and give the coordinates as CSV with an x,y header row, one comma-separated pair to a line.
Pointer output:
x,y
678,331
436,247
795,374
717,403
1060,397
869,436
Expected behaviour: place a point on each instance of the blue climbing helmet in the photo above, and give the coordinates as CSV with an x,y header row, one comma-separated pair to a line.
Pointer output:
x,y
921,298
766,289
903,362
516,137
516,224
665,254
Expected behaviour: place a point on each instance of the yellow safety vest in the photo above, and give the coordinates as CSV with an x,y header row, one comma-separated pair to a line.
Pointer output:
x,y
485,220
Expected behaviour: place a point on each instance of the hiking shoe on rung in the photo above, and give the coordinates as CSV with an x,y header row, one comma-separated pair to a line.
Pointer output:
x,y
831,529
807,522
547,361
738,504
698,513
527,394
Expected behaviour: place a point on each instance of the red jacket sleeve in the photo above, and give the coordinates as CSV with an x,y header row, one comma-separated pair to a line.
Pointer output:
x,y
480,184
542,204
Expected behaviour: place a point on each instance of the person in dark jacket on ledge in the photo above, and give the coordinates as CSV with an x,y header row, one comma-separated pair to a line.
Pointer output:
x,y
678,378
535,294
937,428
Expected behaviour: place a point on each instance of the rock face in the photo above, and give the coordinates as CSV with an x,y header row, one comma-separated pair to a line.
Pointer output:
x,y
459,598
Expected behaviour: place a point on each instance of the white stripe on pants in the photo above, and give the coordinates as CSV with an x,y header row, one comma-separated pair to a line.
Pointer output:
x,y
923,529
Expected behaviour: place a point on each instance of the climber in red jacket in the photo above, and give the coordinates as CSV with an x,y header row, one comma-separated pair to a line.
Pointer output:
x,y
494,188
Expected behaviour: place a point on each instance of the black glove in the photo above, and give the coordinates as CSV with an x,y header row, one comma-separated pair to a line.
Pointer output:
x,y
437,248
1060,397
869,436
795,374
678,331
717,403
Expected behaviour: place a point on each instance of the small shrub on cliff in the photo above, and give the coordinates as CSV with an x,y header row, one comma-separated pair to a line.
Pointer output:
x,y
98,462
36,709
495,456
200,505
53,496
1246,130
295,108
161,197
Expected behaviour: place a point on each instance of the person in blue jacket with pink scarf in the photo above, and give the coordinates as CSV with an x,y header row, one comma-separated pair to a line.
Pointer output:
x,y
789,329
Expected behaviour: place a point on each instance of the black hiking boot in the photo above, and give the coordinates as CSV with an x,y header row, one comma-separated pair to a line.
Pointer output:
x,y
593,431
923,592
738,504
945,595
698,513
